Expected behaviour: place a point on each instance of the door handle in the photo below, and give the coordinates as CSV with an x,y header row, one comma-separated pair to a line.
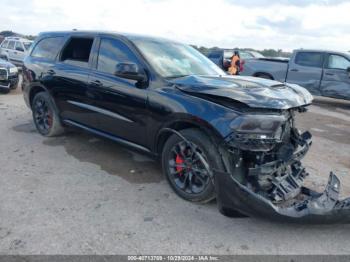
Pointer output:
x,y
51,72
294,70
329,74
96,83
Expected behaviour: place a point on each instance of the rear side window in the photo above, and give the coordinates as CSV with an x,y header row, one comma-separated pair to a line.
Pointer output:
x,y
112,52
48,48
4,44
312,59
11,45
77,51
338,62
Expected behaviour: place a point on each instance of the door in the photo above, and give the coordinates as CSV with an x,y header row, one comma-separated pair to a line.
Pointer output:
x,y
121,106
306,70
10,50
18,53
69,82
336,77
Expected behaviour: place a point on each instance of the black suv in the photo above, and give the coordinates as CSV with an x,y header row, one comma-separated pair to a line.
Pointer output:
x,y
233,138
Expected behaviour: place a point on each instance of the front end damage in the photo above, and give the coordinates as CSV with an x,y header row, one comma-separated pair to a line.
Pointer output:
x,y
264,177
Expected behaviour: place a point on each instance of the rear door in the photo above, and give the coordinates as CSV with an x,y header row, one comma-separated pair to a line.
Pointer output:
x,y
306,70
121,106
69,81
18,53
336,77
10,50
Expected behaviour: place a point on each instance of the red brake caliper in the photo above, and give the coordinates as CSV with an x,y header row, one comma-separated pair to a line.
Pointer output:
x,y
179,160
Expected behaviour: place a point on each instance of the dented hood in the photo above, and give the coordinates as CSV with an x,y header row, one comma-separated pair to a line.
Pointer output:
x,y
252,91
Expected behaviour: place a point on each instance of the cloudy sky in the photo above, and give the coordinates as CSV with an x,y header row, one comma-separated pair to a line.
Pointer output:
x,y
259,24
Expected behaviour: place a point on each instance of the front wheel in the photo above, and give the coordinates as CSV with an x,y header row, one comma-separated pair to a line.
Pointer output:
x,y
183,168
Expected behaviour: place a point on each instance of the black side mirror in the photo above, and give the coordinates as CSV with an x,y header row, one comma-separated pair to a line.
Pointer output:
x,y
348,69
19,49
129,71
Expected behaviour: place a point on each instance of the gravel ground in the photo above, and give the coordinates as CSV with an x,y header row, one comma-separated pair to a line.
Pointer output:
x,y
80,194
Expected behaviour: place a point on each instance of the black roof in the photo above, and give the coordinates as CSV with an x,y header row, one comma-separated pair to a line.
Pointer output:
x,y
129,36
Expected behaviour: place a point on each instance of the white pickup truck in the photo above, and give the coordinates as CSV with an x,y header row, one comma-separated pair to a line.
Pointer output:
x,y
324,73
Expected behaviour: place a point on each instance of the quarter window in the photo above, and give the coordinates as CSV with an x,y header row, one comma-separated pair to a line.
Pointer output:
x,y
112,52
312,59
48,48
338,62
11,45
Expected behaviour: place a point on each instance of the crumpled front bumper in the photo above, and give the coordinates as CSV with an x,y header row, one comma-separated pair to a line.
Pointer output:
x,y
308,207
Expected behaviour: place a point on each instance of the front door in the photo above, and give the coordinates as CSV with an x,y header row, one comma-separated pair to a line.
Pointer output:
x,y
306,70
336,78
121,106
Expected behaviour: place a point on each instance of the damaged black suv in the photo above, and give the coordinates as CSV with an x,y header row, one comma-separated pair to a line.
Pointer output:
x,y
218,136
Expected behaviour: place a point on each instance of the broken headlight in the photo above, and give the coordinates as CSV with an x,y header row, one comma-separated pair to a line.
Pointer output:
x,y
256,132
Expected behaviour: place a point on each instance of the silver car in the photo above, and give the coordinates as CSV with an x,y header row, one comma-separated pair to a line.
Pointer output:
x,y
14,49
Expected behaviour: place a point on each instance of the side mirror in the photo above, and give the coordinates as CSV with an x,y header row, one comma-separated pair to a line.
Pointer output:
x,y
348,69
19,49
129,71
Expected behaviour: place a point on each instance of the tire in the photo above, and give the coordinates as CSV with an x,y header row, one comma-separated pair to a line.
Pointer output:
x,y
45,116
265,76
201,189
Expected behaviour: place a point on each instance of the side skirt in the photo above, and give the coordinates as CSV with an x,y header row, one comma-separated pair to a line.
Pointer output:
x,y
109,136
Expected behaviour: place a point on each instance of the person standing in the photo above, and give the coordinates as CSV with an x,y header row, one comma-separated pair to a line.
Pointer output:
x,y
235,64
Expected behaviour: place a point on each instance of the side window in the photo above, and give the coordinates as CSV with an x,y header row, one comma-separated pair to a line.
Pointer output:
x,y
312,59
111,53
77,51
4,44
214,55
11,45
19,46
338,62
48,48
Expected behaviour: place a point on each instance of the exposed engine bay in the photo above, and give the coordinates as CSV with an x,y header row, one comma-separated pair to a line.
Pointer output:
x,y
266,177
273,165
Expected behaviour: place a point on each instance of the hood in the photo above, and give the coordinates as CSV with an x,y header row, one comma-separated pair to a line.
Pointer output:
x,y
5,64
252,91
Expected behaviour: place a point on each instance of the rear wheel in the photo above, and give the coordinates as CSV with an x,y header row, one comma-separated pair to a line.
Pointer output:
x,y
183,168
45,117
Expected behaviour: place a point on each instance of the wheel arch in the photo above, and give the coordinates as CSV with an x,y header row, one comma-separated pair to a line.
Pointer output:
x,y
164,133
259,74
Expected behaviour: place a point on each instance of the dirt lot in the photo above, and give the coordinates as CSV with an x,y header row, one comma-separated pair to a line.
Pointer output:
x,y
80,194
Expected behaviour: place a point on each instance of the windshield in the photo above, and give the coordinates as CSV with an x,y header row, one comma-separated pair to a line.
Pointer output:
x,y
27,45
171,59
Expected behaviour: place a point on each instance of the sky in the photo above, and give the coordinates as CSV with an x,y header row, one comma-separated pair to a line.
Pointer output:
x,y
258,24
